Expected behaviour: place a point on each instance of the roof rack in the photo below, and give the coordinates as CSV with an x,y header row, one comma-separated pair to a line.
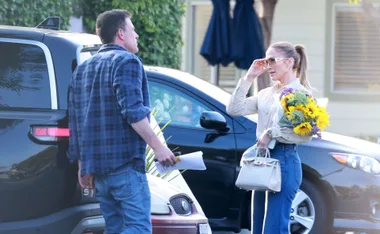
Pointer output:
x,y
53,23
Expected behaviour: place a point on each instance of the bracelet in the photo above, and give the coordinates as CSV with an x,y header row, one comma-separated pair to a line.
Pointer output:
x,y
269,133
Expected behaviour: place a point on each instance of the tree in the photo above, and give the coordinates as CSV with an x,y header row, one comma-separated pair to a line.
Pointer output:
x,y
266,24
158,23
31,13
267,20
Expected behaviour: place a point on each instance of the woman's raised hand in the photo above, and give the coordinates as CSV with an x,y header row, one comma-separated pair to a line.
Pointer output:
x,y
258,67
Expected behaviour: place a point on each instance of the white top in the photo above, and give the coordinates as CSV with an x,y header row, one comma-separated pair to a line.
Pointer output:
x,y
267,104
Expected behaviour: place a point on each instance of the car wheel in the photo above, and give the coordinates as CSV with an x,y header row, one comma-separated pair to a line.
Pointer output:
x,y
309,212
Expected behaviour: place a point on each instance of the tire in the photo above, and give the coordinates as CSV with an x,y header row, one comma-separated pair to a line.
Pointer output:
x,y
309,207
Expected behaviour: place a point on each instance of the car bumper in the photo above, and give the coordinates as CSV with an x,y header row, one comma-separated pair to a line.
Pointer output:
x,y
356,200
88,219
162,224
356,225
192,224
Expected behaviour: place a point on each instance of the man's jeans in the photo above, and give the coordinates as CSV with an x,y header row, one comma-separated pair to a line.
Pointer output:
x,y
279,204
124,199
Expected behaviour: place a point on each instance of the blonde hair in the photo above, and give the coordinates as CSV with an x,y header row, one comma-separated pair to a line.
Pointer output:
x,y
298,53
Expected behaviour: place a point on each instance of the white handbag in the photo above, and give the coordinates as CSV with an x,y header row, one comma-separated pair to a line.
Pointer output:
x,y
260,173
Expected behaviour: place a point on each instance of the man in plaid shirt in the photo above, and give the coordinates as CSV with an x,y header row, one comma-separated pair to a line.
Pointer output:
x,y
109,126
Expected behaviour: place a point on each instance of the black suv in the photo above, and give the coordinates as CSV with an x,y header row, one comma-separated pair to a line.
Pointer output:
x,y
36,179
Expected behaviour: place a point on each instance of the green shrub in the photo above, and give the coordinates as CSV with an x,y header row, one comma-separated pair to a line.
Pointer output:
x,y
158,23
32,12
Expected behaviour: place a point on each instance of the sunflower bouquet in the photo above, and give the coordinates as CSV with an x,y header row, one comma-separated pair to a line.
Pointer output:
x,y
302,113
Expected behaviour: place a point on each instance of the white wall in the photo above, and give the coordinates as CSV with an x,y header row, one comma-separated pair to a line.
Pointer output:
x,y
300,21
303,22
76,24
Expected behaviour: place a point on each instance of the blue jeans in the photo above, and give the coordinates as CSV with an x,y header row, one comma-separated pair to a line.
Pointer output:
x,y
279,204
124,199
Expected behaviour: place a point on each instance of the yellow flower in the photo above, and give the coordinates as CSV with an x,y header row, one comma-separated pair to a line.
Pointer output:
x,y
298,107
303,129
323,119
289,95
311,100
312,110
283,104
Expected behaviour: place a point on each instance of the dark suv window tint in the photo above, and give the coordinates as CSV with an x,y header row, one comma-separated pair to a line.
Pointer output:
x,y
24,78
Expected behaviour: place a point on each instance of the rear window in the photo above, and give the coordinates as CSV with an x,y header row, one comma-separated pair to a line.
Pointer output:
x,y
24,77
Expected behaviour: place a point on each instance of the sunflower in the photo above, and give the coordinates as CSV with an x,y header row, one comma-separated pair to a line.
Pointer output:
x,y
312,110
311,99
297,114
323,120
303,129
284,104
285,101
293,108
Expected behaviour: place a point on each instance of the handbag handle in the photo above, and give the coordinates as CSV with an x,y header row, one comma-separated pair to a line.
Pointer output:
x,y
267,153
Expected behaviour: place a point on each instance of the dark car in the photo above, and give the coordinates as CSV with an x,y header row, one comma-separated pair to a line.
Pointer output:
x,y
39,192
341,175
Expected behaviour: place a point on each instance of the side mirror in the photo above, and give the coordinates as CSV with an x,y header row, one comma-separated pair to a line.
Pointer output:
x,y
213,120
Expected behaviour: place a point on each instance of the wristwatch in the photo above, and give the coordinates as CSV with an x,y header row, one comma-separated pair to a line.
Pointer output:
x,y
269,133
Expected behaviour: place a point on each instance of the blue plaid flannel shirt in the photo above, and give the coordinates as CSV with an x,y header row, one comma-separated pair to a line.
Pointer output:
x,y
108,92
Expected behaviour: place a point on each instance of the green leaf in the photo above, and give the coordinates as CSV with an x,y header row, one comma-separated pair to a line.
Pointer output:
x,y
150,166
31,13
158,23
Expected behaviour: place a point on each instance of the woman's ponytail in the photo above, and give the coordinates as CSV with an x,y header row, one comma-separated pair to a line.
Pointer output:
x,y
301,66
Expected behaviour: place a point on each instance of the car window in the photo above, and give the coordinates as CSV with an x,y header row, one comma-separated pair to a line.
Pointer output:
x,y
176,106
24,78
87,53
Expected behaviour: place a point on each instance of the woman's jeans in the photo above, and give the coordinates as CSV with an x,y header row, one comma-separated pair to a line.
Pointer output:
x,y
124,199
279,204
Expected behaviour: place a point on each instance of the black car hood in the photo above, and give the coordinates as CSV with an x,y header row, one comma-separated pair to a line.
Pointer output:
x,y
340,143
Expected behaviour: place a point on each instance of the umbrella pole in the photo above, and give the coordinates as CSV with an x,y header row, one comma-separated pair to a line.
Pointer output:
x,y
214,76
217,74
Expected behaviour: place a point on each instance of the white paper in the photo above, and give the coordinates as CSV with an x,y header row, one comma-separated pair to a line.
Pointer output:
x,y
204,228
191,161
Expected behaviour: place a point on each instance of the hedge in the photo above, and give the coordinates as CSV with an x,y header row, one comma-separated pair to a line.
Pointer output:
x,y
32,12
158,23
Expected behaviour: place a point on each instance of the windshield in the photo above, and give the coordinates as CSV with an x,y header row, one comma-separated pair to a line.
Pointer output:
x,y
204,86
216,93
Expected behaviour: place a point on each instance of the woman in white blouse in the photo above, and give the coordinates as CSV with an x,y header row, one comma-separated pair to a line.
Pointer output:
x,y
286,65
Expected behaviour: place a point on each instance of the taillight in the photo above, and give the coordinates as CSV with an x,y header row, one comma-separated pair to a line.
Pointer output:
x,y
49,133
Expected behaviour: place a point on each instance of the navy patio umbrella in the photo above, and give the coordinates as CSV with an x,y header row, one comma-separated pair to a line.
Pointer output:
x,y
216,47
247,36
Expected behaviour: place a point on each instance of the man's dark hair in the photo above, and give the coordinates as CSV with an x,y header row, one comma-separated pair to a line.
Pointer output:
x,y
109,22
